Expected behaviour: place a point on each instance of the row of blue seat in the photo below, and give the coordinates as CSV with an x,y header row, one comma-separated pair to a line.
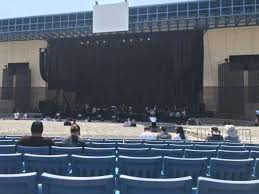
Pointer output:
x,y
141,152
148,167
54,184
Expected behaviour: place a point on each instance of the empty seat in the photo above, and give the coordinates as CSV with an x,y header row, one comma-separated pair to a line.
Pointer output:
x,y
206,147
25,183
254,154
66,150
46,163
130,145
7,142
215,186
227,169
10,163
200,153
140,152
135,185
7,149
213,143
233,154
33,150
257,168
159,146
102,145
146,167
252,148
154,142
232,148
180,167
99,151
233,144
178,153
54,184
181,146
92,165
133,141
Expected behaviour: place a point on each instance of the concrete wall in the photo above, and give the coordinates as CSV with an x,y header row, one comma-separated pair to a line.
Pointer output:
x,y
25,52
218,45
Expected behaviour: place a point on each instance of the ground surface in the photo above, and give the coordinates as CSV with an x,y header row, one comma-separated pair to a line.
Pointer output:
x,y
113,130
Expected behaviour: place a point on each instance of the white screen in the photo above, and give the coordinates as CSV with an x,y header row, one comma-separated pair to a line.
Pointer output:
x,y
111,17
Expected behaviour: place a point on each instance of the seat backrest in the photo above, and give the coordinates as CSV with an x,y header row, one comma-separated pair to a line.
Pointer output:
x,y
180,167
53,184
206,147
57,164
92,165
7,142
24,183
33,150
154,142
102,145
99,151
233,154
181,146
232,148
130,145
10,163
159,146
257,168
137,152
252,148
233,144
254,154
133,185
146,167
200,153
215,186
66,150
7,149
230,169
178,153
133,141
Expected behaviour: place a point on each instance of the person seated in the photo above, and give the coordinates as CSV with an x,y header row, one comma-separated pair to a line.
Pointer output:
x,y
232,134
147,134
164,134
67,123
133,123
127,123
215,135
74,140
180,134
36,139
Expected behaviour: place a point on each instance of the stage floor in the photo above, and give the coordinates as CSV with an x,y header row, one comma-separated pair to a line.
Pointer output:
x,y
99,129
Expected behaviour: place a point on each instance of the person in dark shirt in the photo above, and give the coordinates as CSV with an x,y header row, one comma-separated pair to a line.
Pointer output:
x,y
74,140
36,139
215,135
164,134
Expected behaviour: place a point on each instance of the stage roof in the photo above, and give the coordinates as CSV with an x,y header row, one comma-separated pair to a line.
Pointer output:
x,y
202,14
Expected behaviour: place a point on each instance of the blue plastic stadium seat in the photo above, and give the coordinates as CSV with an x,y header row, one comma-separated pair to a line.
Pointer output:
x,y
232,148
53,184
180,167
233,154
154,142
215,186
233,144
213,143
10,163
133,141
7,142
99,151
130,145
206,147
102,145
137,152
7,149
159,146
252,148
95,140
66,150
200,153
33,150
146,167
257,168
93,165
254,154
114,141
25,183
45,163
227,169
181,146
178,153
135,185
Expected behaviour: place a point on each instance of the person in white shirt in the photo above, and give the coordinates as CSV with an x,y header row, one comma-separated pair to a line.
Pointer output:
x,y
153,121
180,134
147,134
127,123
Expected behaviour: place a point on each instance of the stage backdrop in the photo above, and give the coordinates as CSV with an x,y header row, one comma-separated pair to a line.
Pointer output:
x,y
162,68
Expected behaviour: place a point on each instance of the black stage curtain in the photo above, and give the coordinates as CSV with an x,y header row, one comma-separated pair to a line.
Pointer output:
x,y
163,68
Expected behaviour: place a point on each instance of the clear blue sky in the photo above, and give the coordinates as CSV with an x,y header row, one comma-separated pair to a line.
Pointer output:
x,y
21,8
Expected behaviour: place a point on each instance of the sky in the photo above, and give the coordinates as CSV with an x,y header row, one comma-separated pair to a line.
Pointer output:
x,y
21,8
